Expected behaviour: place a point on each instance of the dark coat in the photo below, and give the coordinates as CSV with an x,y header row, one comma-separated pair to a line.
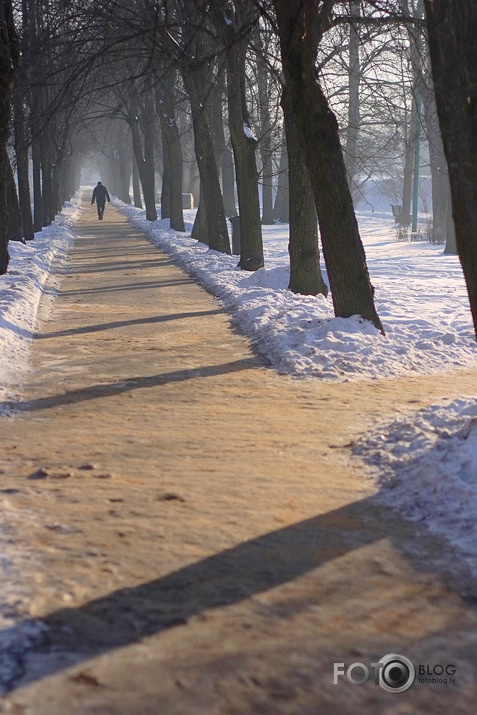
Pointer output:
x,y
100,194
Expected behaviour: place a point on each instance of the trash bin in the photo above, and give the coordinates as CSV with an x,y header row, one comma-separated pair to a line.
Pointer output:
x,y
236,239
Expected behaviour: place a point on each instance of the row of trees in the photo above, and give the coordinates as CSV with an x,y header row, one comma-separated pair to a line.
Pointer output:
x,y
302,99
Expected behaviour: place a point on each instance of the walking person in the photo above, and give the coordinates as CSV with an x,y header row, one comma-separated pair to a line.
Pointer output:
x,y
100,194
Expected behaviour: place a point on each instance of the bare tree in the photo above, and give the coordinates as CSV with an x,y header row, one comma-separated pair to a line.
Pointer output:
x,y
235,21
165,105
141,122
305,271
300,25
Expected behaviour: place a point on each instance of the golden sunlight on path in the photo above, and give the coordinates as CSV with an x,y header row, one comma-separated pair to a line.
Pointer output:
x,y
189,527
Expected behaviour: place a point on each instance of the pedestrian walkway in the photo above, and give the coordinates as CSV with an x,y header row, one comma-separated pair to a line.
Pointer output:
x,y
188,532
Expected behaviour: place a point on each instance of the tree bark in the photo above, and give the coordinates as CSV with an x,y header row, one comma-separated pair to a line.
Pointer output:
x,y
452,29
47,211
305,271
351,289
21,155
442,222
281,209
14,217
197,82
224,150
136,184
228,181
166,180
410,146
122,162
266,136
354,113
199,229
244,146
170,132
9,57
144,156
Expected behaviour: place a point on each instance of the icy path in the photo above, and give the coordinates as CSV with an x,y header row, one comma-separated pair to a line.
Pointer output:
x,y
186,528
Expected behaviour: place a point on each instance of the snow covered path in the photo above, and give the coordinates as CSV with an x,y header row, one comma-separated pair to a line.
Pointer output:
x,y
185,529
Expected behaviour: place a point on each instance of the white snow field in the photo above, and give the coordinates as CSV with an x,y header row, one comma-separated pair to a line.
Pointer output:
x,y
426,464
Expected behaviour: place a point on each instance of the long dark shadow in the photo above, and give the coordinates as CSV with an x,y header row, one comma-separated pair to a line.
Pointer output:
x,y
117,266
144,285
128,615
125,323
94,392
106,326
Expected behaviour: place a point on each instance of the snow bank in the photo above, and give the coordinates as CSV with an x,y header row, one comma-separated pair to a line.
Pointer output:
x,y
420,296
426,468
23,286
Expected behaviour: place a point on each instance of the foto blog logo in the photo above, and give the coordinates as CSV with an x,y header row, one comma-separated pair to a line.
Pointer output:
x,y
394,673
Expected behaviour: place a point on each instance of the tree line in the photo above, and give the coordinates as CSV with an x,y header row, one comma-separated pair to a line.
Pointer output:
x,y
280,108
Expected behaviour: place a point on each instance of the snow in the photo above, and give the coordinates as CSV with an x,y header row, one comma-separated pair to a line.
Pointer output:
x,y
420,296
424,465
27,281
426,468
248,132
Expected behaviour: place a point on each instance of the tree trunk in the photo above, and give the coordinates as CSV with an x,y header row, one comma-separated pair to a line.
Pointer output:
x,y
439,180
47,211
266,136
452,29
410,146
228,181
56,191
354,114
442,221
9,56
244,146
21,155
305,271
451,243
223,149
199,229
123,163
351,289
136,184
14,218
145,157
4,206
166,180
173,150
197,82
176,161
281,210
418,90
